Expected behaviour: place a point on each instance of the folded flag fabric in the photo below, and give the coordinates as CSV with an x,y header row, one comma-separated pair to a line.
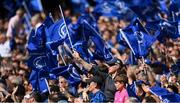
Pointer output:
x,y
165,95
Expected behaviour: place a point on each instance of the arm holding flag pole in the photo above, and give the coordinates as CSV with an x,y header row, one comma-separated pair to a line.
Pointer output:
x,y
81,61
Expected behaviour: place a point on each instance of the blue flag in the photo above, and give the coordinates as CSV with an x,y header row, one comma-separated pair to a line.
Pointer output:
x,y
131,89
79,40
41,65
165,95
81,48
170,29
37,38
36,42
69,72
163,29
112,8
43,85
143,3
33,79
163,6
41,59
48,21
100,45
38,84
146,11
137,39
37,62
132,60
35,5
56,35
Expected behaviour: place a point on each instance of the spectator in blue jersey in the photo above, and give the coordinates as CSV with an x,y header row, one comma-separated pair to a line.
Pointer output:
x,y
94,87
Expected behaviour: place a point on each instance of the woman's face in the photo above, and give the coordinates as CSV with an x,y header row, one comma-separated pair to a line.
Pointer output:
x,y
145,88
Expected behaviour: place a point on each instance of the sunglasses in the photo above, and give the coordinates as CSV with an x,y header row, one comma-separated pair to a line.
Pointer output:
x,y
63,82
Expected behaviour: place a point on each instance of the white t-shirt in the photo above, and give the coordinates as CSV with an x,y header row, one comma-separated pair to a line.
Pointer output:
x,y
5,49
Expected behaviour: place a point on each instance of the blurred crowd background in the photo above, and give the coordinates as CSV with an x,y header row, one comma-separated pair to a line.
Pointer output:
x,y
119,80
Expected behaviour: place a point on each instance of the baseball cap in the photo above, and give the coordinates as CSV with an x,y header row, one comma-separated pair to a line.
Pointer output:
x,y
96,79
115,61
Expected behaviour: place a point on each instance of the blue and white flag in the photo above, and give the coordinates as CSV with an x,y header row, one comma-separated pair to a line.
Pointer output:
x,y
165,95
138,40
38,83
69,72
100,45
56,35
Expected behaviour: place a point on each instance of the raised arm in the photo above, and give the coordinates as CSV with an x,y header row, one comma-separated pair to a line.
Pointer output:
x,y
150,75
78,59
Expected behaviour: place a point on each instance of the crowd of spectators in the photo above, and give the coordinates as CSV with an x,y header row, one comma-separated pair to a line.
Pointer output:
x,y
105,82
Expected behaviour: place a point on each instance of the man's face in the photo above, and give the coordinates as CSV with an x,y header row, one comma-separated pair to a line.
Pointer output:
x,y
142,76
172,79
113,69
92,86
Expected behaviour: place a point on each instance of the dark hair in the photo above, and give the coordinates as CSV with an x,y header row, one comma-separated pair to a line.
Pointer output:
x,y
62,97
54,88
57,97
37,96
132,76
157,68
20,91
98,80
8,100
2,80
121,78
149,99
54,97
174,88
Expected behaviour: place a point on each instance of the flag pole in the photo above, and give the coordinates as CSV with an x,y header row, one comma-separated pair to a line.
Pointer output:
x,y
25,7
66,26
50,14
143,26
60,51
173,16
142,57
59,48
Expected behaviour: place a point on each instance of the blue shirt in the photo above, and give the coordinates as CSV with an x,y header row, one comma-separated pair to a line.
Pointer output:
x,y
98,97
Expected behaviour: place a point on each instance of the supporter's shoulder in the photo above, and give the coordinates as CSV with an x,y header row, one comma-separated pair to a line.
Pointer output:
x,y
101,94
14,18
124,91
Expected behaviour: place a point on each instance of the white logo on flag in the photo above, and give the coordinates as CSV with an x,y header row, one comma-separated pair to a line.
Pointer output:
x,y
62,30
39,62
